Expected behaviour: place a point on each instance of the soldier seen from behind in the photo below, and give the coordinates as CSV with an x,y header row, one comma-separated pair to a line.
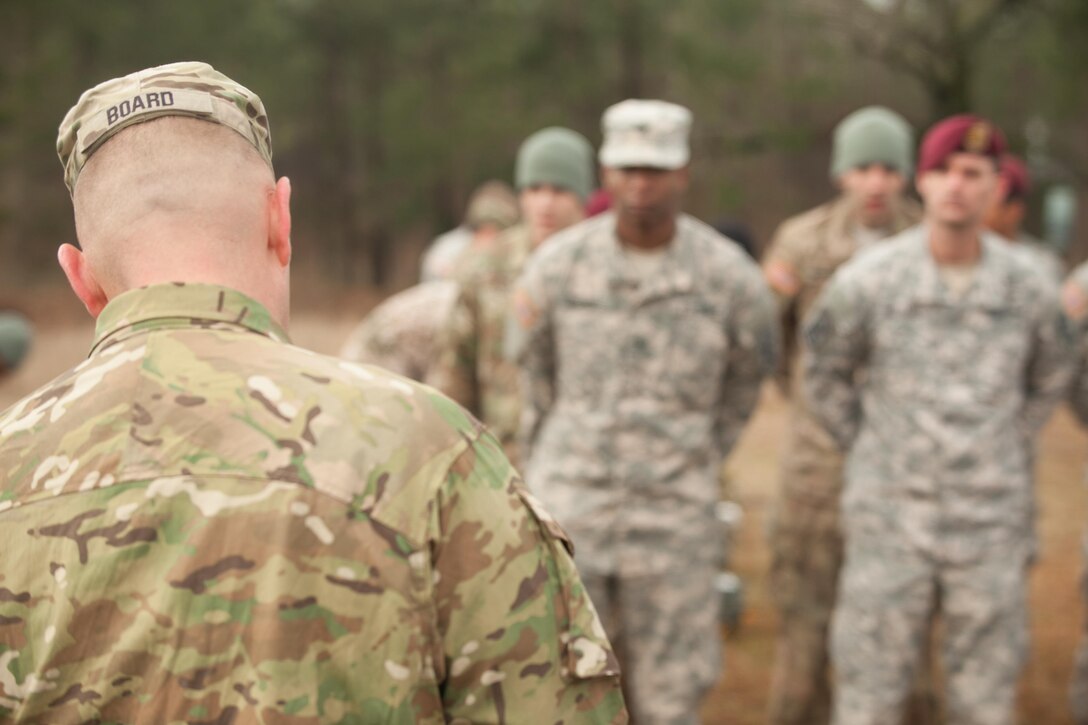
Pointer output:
x,y
871,164
202,522
401,333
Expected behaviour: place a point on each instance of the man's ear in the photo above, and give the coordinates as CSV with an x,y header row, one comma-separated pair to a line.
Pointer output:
x,y
279,221
81,279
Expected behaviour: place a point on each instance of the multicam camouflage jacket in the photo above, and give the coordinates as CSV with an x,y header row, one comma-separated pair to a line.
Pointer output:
x,y
804,253
471,367
940,427
202,523
636,389
401,333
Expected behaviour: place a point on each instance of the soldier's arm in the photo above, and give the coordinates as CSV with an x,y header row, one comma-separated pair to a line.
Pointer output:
x,y
521,640
836,336
529,342
753,354
1051,364
782,265
1078,392
455,372
1075,304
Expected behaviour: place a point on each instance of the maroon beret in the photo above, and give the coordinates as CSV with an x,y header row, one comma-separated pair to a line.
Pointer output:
x,y
599,202
964,133
1015,175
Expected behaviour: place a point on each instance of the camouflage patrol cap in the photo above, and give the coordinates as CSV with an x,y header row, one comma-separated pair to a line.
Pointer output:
x,y
188,89
492,203
645,133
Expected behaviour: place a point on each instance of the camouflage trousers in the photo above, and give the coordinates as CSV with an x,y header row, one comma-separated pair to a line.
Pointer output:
x,y
1078,688
806,555
887,595
666,634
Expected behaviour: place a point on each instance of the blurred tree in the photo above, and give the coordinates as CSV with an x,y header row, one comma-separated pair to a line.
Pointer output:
x,y
937,43
387,113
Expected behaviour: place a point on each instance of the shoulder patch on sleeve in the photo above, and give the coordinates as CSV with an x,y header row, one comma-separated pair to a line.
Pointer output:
x,y
782,277
526,310
1074,301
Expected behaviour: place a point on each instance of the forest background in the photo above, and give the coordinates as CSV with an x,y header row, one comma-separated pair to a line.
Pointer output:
x,y
387,113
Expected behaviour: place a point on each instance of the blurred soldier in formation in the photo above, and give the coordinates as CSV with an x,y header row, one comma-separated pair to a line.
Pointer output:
x,y
554,178
401,333
1075,301
203,522
442,256
934,359
1006,217
871,164
15,336
643,336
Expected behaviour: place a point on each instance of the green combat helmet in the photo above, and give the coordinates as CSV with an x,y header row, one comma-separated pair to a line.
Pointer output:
x,y
15,335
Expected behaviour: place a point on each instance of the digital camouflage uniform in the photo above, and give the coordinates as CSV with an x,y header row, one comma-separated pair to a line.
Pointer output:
x,y
471,367
938,503
1075,297
212,525
634,392
1041,255
805,537
401,333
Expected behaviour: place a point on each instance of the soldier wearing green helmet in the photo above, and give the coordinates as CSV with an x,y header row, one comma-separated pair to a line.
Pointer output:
x,y
554,177
871,165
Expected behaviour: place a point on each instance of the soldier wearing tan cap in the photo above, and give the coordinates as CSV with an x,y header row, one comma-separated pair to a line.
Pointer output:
x,y
643,336
402,333
491,209
202,522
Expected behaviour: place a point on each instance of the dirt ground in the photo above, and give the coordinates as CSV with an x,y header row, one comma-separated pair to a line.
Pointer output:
x,y
740,697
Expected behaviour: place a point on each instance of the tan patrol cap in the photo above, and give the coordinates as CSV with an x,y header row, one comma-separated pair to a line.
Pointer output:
x,y
178,89
653,134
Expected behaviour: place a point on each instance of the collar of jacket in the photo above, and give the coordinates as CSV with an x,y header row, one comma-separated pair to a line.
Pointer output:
x,y
676,276
991,287
181,305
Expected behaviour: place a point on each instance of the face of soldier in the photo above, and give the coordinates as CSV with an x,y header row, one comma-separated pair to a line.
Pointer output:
x,y
1006,215
959,193
548,209
646,196
875,189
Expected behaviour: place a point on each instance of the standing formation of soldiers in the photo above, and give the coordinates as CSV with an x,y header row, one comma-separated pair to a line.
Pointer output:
x,y
204,522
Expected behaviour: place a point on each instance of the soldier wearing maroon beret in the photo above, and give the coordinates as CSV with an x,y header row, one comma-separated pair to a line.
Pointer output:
x,y
933,360
1006,217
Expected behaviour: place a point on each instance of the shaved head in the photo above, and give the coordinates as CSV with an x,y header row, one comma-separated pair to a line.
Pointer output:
x,y
178,199
173,188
